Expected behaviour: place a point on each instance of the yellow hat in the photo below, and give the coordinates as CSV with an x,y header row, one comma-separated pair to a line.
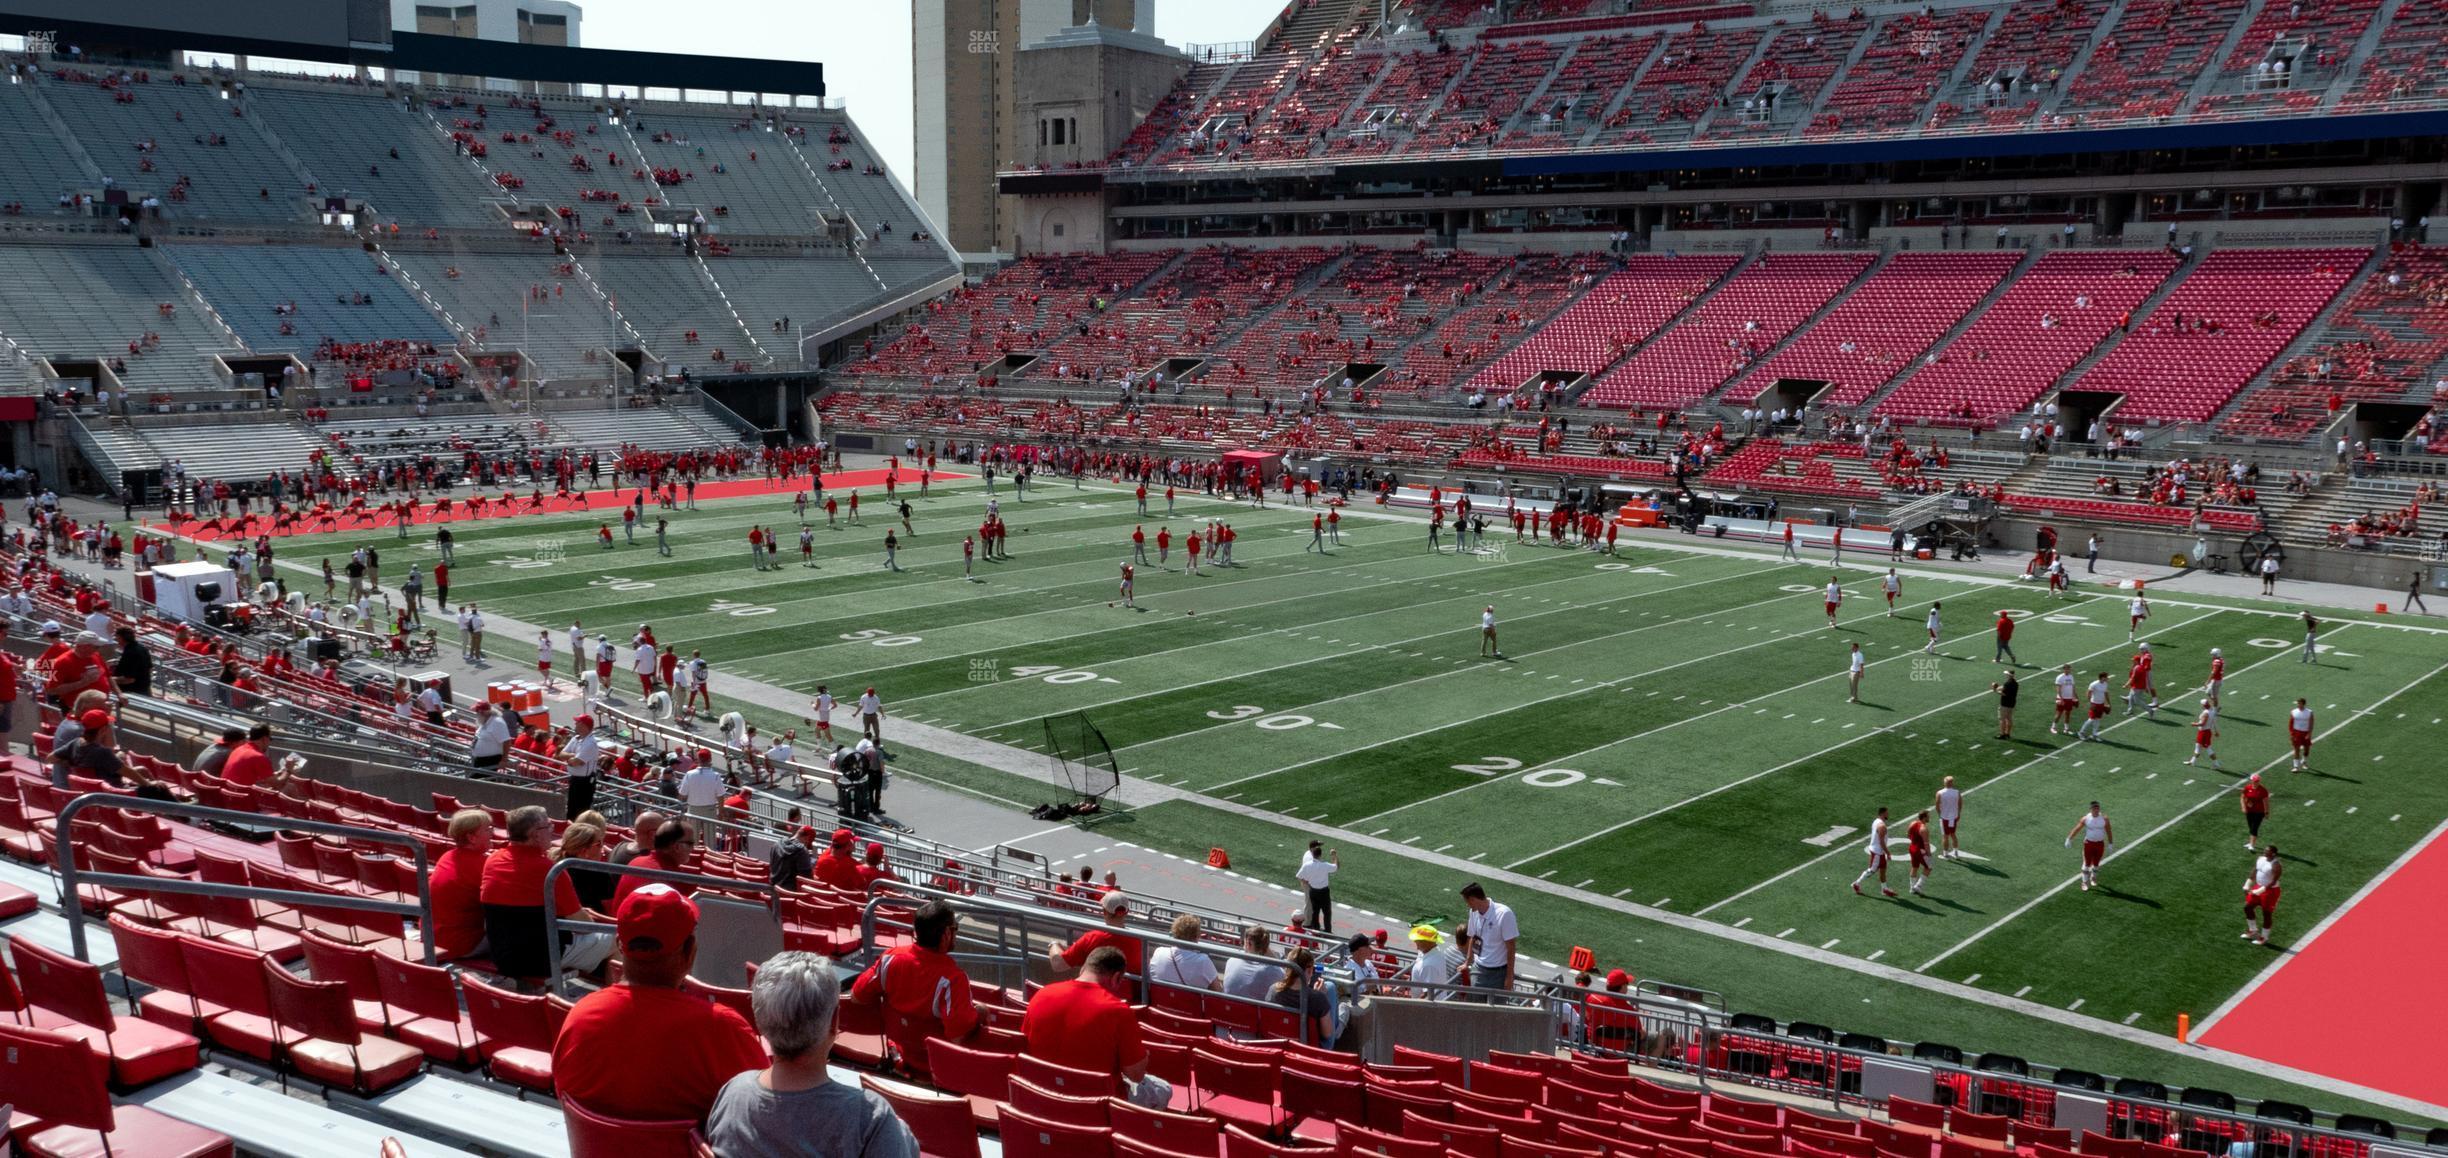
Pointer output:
x,y
1426,933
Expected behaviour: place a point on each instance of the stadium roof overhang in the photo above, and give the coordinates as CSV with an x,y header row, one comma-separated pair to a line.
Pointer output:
x,y
266,36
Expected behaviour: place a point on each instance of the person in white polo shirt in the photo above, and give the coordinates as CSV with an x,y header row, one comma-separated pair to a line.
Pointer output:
x,y
1316,873
492,736
1491,939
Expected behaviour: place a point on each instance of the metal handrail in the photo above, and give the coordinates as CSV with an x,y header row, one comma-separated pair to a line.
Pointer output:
x,y
72,905
554,925
1021,917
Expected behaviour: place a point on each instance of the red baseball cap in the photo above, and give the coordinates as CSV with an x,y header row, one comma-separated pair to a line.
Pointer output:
x,y
807,832
1617,979
844,836
95,719
656,919
583,722
875,850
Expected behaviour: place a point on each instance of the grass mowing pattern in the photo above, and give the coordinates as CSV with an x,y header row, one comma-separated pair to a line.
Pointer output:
x,y
1668,727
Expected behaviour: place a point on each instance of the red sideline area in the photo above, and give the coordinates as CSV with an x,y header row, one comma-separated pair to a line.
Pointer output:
x,y
600,498
2330,1012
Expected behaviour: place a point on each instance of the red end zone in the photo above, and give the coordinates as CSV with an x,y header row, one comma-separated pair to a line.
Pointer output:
x,y
604,498
2363,1001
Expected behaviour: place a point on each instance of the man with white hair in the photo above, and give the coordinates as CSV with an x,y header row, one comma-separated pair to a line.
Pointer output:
x,y
794,1106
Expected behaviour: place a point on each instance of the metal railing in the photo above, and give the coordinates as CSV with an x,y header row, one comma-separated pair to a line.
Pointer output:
x,y
1021,934
71,877
555,925
1834,1068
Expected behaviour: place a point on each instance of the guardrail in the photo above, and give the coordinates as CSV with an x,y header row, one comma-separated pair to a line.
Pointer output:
x,y
72,904
555,925
1018,931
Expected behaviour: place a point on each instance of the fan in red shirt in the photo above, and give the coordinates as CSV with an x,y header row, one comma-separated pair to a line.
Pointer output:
x,y
1086,1025
1612,1020
643,1049
919,980
1074,955
674,844
838,865
458,915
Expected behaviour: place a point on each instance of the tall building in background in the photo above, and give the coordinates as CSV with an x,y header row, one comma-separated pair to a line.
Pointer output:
x,y
553,22
963,71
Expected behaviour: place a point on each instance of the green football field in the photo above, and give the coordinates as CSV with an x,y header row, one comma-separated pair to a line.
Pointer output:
x,y
1663,767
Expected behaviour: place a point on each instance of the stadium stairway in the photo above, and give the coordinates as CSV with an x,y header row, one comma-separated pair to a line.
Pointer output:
x,y
1623,95
2141,313
2209,78
2101,33
1861,278
2366,46
1707,121
2321,330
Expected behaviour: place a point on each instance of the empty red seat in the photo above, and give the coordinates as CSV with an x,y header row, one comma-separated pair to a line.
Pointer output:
x,y
66,995
58,1081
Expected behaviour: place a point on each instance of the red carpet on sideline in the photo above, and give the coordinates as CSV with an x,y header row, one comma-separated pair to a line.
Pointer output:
x,y
2364,1002
601,498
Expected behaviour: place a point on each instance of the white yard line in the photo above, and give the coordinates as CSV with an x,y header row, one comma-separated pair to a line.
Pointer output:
x,y
1567,759
2305,942
1856,738
1312,705
2286,653
2172,822
1359,650
1542,699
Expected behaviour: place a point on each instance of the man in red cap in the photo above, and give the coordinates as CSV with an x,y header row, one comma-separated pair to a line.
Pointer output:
x,y
874,869
1074,955
1613,1023
839,867
643,1049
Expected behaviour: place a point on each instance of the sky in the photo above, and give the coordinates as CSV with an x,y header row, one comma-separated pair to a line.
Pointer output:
x,y
863,44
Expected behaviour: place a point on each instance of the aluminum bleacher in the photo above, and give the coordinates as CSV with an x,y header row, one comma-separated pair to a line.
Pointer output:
x,y
666,298
181,142
40,169
246,450
519,301
361,144
91,302
246,282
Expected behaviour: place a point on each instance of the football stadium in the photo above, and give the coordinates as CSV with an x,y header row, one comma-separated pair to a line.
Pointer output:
x,y
1517,579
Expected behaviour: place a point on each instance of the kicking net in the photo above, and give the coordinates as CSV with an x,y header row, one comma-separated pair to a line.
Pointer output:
x,y
1080,756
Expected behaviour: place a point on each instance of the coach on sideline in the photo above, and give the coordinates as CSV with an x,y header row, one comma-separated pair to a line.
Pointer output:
x,y
1316,875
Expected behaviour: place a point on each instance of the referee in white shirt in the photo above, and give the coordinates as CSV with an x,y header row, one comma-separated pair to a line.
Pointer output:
x,y
1317,870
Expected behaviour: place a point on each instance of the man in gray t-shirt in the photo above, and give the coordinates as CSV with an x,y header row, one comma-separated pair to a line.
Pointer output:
x,y
794,1109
